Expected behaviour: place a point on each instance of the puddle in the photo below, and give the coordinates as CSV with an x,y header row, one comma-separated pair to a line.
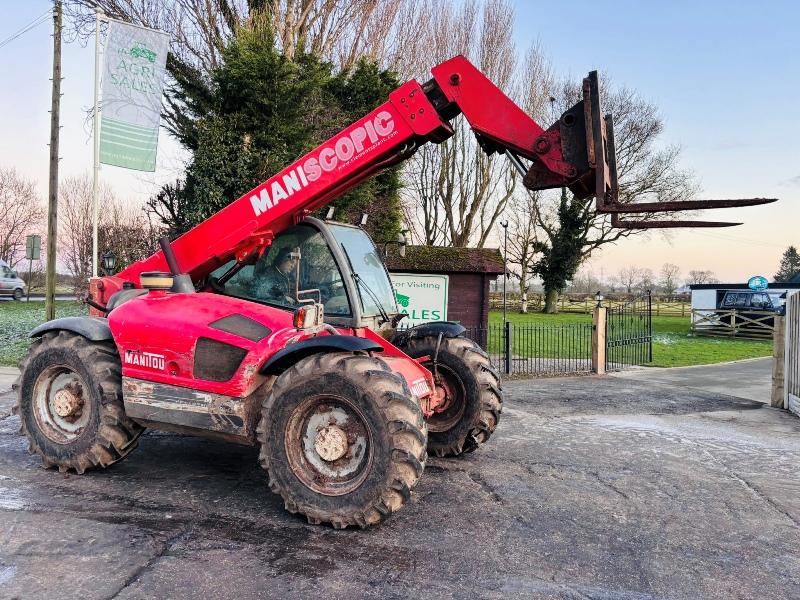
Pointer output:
x,y
7,574
11,500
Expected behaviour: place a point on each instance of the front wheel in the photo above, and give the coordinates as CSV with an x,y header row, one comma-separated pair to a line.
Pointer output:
x,y
343,439
471,399
17,294
69,396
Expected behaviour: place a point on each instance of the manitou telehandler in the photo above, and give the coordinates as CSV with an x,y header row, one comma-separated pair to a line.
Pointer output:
x,y
266,326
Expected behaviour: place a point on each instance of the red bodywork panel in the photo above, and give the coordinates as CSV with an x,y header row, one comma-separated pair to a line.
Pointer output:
x,y
157,336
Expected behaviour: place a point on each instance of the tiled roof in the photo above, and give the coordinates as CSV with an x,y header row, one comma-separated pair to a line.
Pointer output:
x,y
439,259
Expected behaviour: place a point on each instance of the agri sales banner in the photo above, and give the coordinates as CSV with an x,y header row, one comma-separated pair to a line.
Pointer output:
x,y
133,79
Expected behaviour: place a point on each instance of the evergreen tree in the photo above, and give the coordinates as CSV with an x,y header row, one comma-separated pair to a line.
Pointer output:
x,y
562,253
258,113
790,265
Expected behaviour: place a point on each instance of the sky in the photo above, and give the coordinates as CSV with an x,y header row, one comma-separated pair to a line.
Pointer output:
x,y
724,74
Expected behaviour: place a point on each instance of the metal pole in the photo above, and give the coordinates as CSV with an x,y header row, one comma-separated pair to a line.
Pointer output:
x,y
95,179
504,224
30,281
52,194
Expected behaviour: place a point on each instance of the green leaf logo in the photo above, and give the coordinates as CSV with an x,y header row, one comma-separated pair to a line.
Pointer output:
x,y
142,51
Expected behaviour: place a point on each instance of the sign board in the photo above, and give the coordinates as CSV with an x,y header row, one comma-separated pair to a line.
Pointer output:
x,y
133,79
758,283
33,247
422,297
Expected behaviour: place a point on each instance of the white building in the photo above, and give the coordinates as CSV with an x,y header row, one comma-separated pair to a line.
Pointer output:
x,y
708,296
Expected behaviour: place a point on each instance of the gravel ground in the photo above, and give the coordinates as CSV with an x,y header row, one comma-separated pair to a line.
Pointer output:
x,y
591,488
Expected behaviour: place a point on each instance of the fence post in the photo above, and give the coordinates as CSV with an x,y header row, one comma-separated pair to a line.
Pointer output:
x,y
778,361
509,349
599,340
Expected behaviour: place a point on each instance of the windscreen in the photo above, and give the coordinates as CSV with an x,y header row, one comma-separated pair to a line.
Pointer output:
x,y
375,289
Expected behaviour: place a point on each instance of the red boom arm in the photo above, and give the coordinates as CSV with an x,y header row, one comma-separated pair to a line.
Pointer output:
x,y
577,151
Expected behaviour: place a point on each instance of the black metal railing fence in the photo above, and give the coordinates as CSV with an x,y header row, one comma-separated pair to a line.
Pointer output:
x,y
566,349
629,333
533,349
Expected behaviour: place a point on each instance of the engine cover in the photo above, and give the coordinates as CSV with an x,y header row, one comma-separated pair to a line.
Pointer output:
x,y
202,341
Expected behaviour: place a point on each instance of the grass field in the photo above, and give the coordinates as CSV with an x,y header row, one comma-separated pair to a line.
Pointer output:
x,y
673,343
17,319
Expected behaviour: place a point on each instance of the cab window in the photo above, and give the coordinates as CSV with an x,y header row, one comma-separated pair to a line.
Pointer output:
x,y
271,279
730,300
761,301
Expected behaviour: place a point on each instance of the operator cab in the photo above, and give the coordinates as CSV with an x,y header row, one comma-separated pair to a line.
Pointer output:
x,y
333,263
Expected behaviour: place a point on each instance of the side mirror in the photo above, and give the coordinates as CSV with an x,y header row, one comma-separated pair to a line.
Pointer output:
x,y
401,241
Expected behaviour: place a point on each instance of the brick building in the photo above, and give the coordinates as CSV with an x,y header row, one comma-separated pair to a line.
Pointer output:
x,y
469,271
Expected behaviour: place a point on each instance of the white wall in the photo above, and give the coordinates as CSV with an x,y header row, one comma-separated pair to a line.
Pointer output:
x,y
704,299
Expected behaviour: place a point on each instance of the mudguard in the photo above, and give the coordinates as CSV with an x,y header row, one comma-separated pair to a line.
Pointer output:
x,y
448,329
285,358
92,328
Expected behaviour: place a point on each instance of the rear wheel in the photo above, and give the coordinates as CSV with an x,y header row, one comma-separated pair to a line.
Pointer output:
x,y
471,399
342,439
69,395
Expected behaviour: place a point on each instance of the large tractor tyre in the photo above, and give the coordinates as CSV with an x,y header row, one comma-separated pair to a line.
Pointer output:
x,y
471,392
343,439
69,396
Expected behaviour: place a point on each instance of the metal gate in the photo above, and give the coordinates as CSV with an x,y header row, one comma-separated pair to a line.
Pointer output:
x,y
629,333
792,365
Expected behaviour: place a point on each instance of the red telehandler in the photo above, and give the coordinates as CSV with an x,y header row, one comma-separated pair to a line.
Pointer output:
x,y
266,326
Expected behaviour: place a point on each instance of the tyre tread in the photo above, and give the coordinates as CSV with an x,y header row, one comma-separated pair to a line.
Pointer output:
x,y
405,424
117,435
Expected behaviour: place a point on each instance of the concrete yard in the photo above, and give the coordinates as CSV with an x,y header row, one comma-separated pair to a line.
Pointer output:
x,y
750,379
591,488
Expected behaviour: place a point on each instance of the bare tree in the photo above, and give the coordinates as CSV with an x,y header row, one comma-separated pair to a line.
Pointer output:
x,y
670,274
459,190
697,277
341,31
535,85
522,240
632,277
21,214
585,282
124,230
646,281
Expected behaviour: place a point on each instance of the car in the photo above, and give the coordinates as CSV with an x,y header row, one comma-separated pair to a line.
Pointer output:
x,y
10,283
750,304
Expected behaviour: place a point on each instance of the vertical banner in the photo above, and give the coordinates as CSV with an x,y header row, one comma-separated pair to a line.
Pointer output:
x,y
133,80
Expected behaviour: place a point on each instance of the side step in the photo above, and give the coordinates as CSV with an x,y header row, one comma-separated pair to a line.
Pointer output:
x,y
189,411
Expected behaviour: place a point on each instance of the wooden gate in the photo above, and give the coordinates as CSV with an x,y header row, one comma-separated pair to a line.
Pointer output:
x,y
792,366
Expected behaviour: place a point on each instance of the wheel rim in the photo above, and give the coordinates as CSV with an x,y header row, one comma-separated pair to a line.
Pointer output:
x,y
60,404
328,445
451,410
